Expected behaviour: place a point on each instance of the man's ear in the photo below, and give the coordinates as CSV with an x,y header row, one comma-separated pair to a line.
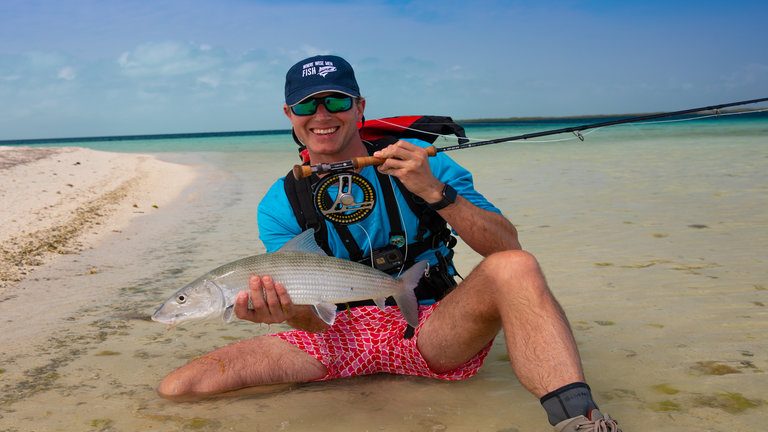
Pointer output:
x,y
287,111
360,109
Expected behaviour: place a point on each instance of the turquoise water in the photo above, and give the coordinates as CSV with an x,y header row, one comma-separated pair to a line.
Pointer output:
x,y
652,236
280,140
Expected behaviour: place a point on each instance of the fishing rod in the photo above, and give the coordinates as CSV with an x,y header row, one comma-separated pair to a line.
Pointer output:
x,y
301,171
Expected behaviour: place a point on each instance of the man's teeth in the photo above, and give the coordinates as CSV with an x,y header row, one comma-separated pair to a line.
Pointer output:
x,y
325,131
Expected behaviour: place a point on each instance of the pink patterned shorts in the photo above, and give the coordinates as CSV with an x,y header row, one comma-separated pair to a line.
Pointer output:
x,y
367,340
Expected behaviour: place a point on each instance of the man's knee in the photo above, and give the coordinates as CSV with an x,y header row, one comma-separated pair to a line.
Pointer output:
x,y
173,388
512,264
190,381
515,274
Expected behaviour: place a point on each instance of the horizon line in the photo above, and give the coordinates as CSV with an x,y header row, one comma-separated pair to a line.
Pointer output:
x,y
172,135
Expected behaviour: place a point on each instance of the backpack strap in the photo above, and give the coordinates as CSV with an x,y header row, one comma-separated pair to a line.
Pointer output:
x,y
299,194
396,231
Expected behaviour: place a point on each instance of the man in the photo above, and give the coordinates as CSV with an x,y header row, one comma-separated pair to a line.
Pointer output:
x,y
457,325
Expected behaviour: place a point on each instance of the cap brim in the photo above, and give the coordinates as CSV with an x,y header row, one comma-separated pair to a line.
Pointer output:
x,y
299,96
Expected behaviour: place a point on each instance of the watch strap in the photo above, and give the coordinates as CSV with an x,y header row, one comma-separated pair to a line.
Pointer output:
x,y
449,197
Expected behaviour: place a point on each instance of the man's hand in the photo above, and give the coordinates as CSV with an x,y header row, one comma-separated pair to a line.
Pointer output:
x,y
410,164
270,302
484,231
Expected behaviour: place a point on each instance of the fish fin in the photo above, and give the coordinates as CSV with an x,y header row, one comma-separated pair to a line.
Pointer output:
x,y
381,303
406,297
229,313
326,312
304,242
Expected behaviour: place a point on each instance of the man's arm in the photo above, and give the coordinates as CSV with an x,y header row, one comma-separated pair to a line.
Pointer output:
x,y
484,231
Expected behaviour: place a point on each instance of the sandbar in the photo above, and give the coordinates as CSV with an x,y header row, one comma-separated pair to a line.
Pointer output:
x,y
61,200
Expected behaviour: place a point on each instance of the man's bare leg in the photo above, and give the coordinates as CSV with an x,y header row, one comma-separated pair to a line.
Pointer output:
x,y
506,291
263,360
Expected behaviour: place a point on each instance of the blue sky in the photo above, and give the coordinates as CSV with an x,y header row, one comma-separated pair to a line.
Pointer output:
x,y
90,68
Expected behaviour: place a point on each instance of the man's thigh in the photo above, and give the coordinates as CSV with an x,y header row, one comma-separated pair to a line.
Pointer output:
x,y
462,324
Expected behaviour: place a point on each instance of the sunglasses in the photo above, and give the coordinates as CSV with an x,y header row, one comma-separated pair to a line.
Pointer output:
x,y
332,104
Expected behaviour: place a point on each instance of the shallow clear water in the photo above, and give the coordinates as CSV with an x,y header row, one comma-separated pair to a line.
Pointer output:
x,y
653,238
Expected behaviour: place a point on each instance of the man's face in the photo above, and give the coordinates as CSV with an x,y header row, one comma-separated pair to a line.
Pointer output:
x,y
326,133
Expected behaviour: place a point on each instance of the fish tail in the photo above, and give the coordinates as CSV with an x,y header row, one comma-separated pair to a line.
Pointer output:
x,y
406,297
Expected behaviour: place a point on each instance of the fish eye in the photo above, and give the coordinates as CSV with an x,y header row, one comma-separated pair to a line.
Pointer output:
x,y
181,299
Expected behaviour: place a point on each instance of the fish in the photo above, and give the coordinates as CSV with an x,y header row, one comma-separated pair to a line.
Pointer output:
x,y
310,277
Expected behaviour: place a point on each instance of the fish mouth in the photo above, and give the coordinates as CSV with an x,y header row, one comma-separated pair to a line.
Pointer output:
x,y
156,317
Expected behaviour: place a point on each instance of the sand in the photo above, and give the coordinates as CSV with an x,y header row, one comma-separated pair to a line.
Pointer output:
x,y
655,249
62,200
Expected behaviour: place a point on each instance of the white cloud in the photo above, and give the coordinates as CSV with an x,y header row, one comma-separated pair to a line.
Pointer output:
x,y
310,51
166,59
209,80
67,73
124,60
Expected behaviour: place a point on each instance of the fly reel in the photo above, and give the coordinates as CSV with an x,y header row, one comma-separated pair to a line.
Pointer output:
x,y
344,197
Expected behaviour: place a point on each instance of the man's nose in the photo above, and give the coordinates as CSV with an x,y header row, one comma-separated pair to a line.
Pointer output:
x,y
322,112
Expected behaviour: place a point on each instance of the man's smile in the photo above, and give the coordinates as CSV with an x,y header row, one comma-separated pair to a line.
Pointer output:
x,y
325,131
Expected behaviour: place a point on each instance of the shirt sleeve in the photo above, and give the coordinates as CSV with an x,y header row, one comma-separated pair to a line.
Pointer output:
x,y
450,172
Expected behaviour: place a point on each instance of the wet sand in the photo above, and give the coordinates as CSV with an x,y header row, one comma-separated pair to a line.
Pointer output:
x,y
61,200
655,250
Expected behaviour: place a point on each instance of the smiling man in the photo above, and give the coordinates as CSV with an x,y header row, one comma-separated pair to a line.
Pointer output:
x,y
419,196
329,132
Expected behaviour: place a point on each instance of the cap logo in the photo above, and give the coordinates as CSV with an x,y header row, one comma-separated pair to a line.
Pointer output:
x,y
320,67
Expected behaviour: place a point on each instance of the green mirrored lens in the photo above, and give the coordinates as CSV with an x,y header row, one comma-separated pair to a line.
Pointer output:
x,y
337,104
305,108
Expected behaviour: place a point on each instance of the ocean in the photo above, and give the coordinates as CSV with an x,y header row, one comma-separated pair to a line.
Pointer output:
x,y
652,237
275,140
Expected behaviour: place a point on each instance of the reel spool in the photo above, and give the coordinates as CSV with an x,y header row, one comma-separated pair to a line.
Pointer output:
x,y
354,200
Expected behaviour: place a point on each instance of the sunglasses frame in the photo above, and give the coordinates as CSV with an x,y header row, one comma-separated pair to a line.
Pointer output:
x,y
323,100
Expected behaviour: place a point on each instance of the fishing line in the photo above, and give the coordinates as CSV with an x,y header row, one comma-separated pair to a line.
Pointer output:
x,y
370,242
402,224
717,114
451,138
593,129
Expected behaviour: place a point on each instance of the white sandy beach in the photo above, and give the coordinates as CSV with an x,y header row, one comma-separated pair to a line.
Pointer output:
x,y
62,200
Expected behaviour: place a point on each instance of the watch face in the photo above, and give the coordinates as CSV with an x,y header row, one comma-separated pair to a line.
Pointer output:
x,y
449,193
449,197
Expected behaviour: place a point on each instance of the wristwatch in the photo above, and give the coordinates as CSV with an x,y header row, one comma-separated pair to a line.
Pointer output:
x,y
449,197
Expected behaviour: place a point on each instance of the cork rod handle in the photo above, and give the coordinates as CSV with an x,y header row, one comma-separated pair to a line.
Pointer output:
x,y
365,161
302,171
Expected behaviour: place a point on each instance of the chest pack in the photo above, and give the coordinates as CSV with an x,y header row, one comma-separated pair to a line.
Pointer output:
x,y
432,230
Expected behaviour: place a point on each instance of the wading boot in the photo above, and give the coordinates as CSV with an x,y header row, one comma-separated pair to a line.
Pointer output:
x,y
595,423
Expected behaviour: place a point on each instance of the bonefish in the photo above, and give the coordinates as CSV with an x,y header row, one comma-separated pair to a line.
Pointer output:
x,y
310,277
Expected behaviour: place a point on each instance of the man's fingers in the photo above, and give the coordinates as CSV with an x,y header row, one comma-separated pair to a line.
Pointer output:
x,y
270,297
256,292
399,150
242,310
264,302
282,295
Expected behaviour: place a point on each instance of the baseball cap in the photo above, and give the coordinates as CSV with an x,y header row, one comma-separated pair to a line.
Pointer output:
x,y
319,74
